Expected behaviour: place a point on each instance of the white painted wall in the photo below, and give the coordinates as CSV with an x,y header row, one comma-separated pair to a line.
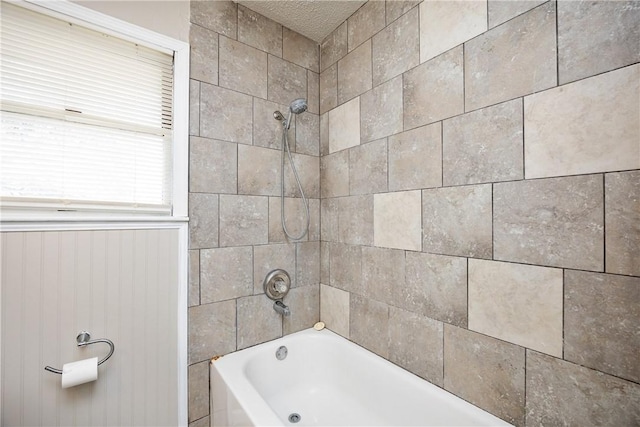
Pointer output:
x,y
170,18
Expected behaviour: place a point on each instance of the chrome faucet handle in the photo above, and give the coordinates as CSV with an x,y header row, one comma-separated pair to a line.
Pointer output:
x,y
277,284
280,286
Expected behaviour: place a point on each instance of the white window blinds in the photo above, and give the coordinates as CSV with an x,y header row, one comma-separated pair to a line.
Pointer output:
x,y
86,118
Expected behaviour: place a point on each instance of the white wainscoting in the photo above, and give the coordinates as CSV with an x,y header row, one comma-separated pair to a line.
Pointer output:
x,y
117,284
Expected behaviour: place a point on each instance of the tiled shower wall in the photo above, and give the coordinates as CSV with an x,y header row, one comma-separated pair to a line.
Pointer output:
x,y
478,191
243,68
480,200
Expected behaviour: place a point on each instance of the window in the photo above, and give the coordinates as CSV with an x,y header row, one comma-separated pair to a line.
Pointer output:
x,y
87,120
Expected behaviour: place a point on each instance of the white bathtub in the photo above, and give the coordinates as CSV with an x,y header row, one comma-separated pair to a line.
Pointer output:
x,y
329,381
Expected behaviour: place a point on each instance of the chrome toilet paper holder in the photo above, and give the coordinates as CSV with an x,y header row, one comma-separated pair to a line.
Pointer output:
x,y
83,339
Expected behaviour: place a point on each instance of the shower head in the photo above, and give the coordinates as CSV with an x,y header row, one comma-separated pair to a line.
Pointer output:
x,y
298,106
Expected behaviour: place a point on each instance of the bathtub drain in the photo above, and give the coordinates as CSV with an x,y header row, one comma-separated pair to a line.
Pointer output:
x,y
294,418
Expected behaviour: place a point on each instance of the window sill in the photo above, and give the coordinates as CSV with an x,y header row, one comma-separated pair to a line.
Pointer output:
x,y
88,222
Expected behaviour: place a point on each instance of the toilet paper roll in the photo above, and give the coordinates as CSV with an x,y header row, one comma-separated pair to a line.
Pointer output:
x,y
80,372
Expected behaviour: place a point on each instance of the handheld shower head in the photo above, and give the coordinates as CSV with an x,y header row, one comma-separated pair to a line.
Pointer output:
x,y
298,106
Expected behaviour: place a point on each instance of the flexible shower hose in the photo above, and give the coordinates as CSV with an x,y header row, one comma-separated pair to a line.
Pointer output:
x,y
285,143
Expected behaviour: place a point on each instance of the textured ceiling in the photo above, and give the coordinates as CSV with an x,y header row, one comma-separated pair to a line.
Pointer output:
x,y
314,19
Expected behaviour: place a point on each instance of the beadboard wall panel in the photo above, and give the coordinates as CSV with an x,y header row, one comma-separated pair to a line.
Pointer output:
x,y
116,284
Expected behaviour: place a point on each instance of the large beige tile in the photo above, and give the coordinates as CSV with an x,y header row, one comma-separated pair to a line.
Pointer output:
x,y
198,390
194,278
325,262
204,54
511,60
212,330
415,158
381,111
397,8
457,221
434,90
202,422
212,166
329,89
396,49
218,16
300,50
258,171
224,114
304,304
368,168
517,303
194,107
344,126
503,10
334,309
258,322
609,28
308,169
308,134
313,92
365,22
365,316
329,220
346,267
333,47
243,68
295,219
416,344
484,145
486,372
314,220
267,132
324,134
334,174
225,273
601,322
259,31
556,222
203,220
381,268
435,286
355,220
447,24
244,220
561,393
267,258
307,263
622,222
354,73
588,126
286,81
397,220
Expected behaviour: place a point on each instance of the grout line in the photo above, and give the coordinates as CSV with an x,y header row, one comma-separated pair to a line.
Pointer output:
x,y
557,48
199,107
218,236
523,139
441,153
464,81
487,9
564,279
467,265
604,222
493,234
525,384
